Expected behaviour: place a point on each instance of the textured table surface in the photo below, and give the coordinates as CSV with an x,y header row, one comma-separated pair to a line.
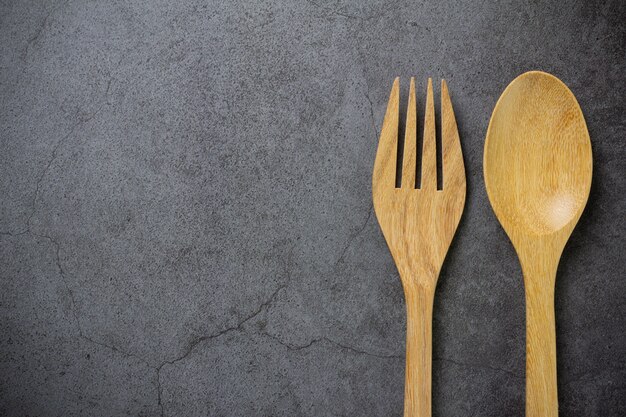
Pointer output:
x,y
186,219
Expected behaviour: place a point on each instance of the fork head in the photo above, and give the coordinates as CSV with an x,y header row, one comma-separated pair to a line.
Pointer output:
x,y
418,220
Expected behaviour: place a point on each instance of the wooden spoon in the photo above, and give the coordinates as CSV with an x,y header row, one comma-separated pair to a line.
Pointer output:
x,y
537,167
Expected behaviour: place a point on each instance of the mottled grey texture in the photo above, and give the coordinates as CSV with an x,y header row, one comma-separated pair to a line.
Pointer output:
x,y
186,219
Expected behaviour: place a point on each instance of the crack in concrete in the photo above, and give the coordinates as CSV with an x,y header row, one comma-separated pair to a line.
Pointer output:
x,y
354,235
51,160
57,247
31,41
106,91
81,333
363,352
81,121
13,234
334,343
366,93
190,348
367,96
57,254
290,346
384,356
115,349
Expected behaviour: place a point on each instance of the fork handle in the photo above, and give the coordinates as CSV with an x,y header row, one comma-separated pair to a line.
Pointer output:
x,y
417,388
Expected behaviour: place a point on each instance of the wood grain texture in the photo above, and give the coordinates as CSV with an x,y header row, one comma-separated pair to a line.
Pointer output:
x,y
419,224
537,167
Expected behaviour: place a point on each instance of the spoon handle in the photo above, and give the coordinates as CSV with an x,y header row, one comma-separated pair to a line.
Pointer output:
x,y
419,322
541,387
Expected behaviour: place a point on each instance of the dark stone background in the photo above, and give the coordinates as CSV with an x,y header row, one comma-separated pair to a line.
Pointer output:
x,y
186,209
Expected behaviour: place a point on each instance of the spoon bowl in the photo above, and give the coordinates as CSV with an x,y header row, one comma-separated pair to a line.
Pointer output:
x,y
537,168
537,157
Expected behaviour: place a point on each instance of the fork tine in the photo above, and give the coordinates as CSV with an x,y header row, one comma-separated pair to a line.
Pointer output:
x,y
410,141
386,155
429,149
452,161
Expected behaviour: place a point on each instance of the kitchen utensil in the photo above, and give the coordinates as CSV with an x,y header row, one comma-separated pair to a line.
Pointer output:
x,y
418,223
537,167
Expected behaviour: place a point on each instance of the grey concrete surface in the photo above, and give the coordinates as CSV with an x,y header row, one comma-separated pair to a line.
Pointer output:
x,y
186,219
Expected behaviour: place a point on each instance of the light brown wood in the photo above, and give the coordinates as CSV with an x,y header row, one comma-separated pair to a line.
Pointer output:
x,y
419,224
537,167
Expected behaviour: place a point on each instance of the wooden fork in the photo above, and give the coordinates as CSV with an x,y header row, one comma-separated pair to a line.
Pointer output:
x,y
418,222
